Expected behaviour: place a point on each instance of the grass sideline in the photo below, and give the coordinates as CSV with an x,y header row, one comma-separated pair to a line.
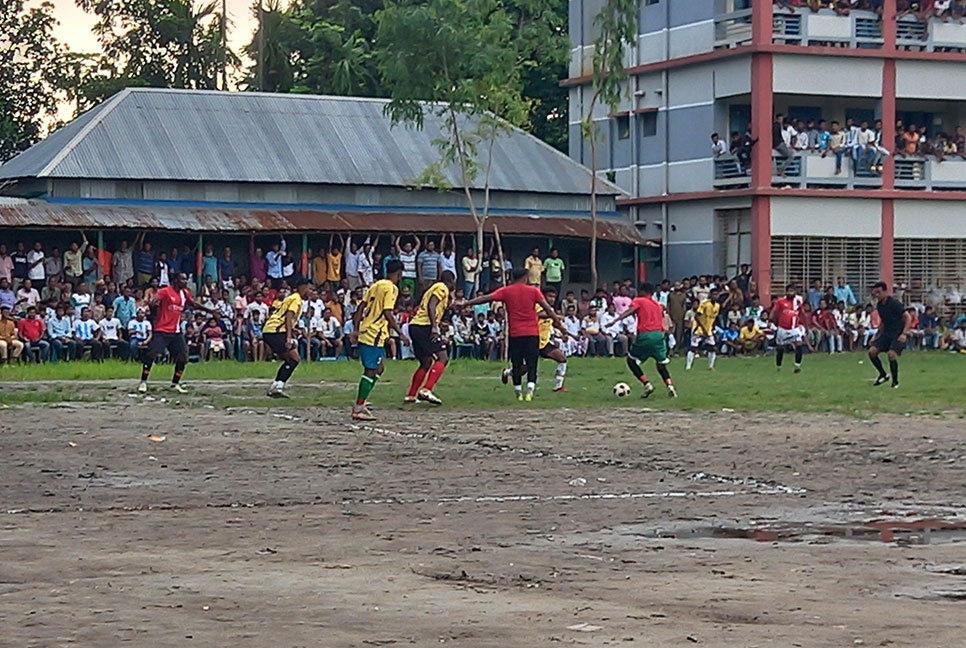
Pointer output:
x,y
931,384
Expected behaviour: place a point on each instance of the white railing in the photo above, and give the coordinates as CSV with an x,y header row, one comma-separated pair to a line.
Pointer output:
x,y
917,172
732,29
805,27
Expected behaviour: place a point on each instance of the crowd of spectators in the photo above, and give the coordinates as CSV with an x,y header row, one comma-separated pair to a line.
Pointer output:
x,y
64,307
921,9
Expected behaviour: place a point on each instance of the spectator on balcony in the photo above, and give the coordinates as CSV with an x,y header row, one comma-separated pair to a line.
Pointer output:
x,y
958,140
940,9
779,143
741,150
958,10
718,147
910,140
799,140
881,152
863,151
822,137
851,138
935,146
811,134
836,146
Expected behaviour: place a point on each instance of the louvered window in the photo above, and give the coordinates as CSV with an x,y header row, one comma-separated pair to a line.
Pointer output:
x,y
802,259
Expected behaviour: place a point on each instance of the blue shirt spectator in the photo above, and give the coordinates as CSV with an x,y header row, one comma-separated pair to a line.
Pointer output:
x,y
275,259
209,266
7,296
843,292
429,264
226,268
124,309
814,296
145,262
59,327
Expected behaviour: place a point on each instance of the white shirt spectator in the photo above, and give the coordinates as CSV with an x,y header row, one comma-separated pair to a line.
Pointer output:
x,y
662,297
609,324
139,330
110,328
448,263
28,298
719,148
352,263
35,272
629,325
366,274
865,137
801,141
789,134
329,328
257,306
316,308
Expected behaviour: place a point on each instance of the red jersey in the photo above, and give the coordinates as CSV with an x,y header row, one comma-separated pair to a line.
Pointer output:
x,y
650,315
32,329
520,301
172,303
789,312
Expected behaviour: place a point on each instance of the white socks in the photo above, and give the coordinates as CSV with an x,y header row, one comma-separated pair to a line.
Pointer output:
x,y
711,356
531,387
690,360
561,374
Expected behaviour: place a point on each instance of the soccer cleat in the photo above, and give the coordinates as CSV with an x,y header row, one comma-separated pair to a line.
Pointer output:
x,y
520,397
409,399
672,392
528,397
895,385
505,376
362,414
143,388
560,389
428,396
277,393
179,389
778,369
880,380
798,369
648,390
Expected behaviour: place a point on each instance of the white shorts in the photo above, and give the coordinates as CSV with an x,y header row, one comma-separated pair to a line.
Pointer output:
x,y
698,340
785,337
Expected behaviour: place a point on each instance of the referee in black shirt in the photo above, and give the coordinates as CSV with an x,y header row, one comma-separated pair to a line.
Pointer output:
x,y
891,336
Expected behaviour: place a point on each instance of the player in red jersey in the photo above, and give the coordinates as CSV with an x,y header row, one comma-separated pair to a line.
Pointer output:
x,y
170,303
787,314
523,327
650,341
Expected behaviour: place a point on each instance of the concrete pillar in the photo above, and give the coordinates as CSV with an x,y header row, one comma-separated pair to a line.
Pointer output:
x,y
762,102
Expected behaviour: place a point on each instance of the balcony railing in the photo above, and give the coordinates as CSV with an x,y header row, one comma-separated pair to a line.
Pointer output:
x,y
811,170
860,29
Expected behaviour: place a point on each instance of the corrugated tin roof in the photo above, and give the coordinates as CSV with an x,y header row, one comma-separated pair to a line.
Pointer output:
x,y
160,134
42,214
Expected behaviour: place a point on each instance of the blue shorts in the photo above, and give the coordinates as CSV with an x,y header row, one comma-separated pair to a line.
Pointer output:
x,y
371,356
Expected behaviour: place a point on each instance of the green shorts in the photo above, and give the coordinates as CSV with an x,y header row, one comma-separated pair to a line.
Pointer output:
x,y
650,344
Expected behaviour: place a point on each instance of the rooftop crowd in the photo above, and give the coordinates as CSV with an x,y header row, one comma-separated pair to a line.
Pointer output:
x,y
89,303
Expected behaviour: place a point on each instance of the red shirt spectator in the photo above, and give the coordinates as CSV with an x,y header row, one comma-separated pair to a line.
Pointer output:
x,y
31,329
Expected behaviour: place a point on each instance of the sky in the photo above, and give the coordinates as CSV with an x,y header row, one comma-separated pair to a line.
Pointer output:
x,y
75,25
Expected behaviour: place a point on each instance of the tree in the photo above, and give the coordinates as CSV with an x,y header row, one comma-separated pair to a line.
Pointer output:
x,y
163,43
616,26
30,72
463,61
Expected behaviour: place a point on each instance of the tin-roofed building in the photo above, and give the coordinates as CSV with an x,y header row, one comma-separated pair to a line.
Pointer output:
x,y
217,164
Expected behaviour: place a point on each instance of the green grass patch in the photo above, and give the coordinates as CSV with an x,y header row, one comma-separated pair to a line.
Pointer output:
x,y
931,384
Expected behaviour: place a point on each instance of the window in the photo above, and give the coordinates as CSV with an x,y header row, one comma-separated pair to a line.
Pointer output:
x,y
648,3
648,122
739,118
734,240
931,270
802,259
860,115
805,113
623,124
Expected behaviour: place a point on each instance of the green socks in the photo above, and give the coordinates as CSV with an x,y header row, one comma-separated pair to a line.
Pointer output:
x,y
366,383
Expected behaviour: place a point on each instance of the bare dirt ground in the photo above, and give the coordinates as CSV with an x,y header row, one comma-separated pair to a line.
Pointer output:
x,y
296,527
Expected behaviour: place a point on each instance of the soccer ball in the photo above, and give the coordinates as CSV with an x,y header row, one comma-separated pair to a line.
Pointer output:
x,y
621,390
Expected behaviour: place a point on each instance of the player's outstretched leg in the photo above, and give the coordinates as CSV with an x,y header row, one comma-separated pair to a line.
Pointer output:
x,y
877,363
894,368
690,360
419,376
436,370
180,362
779,356
532,355
146,371
372,364
666,377
560,375
635,366
290,362
798,358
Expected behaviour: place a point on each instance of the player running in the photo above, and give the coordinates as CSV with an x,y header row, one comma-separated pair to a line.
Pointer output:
x,y
787,314
650,341
522,327
892,333
169,303
371,324
702,331
277,334
548,349
428,346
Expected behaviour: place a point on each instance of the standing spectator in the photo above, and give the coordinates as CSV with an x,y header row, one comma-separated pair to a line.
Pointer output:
x,y
125,306
257,264
122,264
10,345
554,267
843,293
910,140
32,331
352,263
139,335
54,265
743,278
276,262
367,263
226,269
81,297
87,335
447,257
677,306
91,266
427,265
111,328
36,270
27,296
144,261
19,265
881,152
534,267
59,330
471,268
209,265
6,264
333,261
162,270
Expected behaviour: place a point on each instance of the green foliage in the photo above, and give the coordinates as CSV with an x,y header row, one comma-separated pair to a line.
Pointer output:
x,y
30,71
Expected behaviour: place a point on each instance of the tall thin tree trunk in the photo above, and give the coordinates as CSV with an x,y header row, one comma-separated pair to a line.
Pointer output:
x,y
593,211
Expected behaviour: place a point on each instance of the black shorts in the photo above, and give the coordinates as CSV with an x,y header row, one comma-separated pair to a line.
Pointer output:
x,y
524,349
275,342
174,343
547,349
887,341
423,344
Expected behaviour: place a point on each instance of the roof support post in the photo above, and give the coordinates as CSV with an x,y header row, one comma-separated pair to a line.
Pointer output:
x,y
305,255
198,252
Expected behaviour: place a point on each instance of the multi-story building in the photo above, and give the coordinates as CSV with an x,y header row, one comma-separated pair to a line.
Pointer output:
x,y
726,66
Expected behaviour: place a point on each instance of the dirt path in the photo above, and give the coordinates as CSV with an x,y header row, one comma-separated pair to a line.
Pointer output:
x,y
255,528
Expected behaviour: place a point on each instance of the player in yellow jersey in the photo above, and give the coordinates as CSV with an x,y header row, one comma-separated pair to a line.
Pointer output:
x,y
371,325
428,345
549,349
702,329
277,334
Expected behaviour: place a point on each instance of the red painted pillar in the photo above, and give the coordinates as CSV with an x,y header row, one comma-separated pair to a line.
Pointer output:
x,y
762,19
889,25
887,240
762,102
887,244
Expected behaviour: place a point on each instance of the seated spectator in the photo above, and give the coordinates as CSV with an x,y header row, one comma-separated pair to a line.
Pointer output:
x,y
111,335
615,338
914,334
328,333
730,343
836,146
596,340
929,324
252,337
214,339
27,296
140,332
10,345
957,341
481,335
87,335
576,344
750,338
60,332
32,330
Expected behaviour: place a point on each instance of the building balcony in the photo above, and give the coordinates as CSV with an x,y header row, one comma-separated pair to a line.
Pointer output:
x,y
812,171
859,29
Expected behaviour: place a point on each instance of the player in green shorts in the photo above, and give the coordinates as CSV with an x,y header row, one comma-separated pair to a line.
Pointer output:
x,y
650,341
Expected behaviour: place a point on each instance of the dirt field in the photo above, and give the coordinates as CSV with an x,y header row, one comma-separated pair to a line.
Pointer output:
x,y
296,527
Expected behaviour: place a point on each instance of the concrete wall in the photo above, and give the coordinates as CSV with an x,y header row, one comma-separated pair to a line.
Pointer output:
x,y
827,75
930,219
836,217
931,80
